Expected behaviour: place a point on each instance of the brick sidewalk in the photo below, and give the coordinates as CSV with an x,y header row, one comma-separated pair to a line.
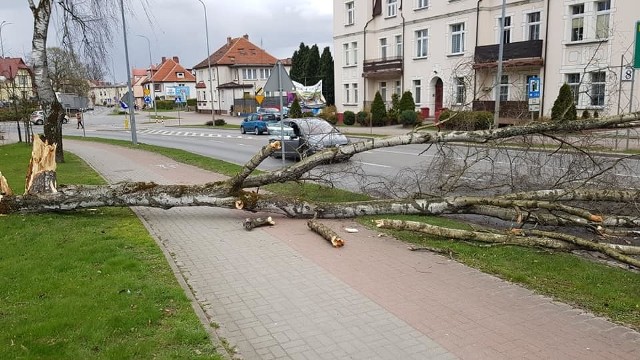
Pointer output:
x,y
282,292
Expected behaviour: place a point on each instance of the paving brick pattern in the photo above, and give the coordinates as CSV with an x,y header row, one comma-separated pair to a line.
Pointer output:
x,y
283,293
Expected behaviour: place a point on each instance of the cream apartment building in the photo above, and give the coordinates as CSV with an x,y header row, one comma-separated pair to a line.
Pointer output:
x,y
446,53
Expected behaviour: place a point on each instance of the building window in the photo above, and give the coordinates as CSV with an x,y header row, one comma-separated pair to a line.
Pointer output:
x,y
392,8
156,87
347,54
354,48
355,92
598,80
383,90
250,74
347,98
504,88
573,80
349,13
602,19
507,29
398,45
421,4
577,22
533,26
457,38
417,91
180,75
384,48
461,91
422,43
398,88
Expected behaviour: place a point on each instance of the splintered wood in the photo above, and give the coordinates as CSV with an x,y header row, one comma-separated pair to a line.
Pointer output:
x,y
324,231
251,223
41,175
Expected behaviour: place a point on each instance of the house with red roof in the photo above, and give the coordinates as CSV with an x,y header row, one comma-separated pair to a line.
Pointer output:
x,y
171,80
239,69
16,80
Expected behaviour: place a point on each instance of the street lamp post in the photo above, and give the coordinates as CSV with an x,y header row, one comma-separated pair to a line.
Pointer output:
x,y
496,109
1,44
132,114
153,87
206,27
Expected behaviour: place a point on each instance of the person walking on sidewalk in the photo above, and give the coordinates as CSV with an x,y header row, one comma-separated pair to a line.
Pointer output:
x,y
79,118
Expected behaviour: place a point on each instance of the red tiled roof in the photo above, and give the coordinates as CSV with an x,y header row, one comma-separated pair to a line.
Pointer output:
x,y
9,67
201,85
168,70
238,51
139,72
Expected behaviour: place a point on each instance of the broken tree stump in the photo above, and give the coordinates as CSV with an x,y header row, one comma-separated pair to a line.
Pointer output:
x,y
324,231
41,175
251,223
5,189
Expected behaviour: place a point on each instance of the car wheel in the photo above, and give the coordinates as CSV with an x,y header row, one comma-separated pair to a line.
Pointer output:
x,y
242,130
256,131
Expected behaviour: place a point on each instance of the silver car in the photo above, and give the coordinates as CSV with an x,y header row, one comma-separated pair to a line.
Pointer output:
x,y
306,136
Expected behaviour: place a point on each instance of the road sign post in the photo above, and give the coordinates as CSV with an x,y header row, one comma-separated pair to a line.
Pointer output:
x,y
636,53
534,95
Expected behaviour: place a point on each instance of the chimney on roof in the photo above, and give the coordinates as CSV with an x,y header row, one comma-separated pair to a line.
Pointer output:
x,y
176,59
246,36
229,40
164,58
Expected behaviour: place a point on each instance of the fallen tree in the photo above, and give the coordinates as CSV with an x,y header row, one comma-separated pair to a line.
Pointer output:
x,y
561,206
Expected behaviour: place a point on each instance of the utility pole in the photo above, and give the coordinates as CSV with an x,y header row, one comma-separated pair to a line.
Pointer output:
x,y
496,110
132,114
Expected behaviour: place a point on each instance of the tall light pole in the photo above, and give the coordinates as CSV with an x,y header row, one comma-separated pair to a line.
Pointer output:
x,y
1,44
496,110
132,114
153,87
206,27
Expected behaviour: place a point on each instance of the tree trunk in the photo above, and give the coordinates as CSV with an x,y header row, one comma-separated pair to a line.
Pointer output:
x,y
326,233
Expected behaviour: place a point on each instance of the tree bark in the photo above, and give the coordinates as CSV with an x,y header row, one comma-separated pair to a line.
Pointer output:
x,y
326,233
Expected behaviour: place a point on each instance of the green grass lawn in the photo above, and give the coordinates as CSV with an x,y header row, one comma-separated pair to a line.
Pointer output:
x,y
88,284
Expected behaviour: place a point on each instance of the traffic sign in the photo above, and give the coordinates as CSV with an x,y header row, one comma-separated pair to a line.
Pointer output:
x,y
534,107
534,87
147,99
179,99
259,99
146,91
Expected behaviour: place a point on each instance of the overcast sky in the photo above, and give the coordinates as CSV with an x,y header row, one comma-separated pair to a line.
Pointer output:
x,y
177,28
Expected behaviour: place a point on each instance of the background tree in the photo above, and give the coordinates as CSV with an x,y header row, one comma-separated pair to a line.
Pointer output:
x,y
326,74
406,102
298,61
67,73
378,110
564,107
295,111
312,66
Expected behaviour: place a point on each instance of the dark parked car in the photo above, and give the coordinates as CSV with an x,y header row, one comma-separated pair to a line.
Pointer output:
x,y
306,136
256,123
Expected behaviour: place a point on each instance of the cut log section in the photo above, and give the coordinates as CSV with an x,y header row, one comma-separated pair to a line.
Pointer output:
x,y
324,231
4,186
251,223
41,175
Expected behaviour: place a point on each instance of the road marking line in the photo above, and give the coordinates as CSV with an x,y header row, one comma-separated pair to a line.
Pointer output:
x,y
372,164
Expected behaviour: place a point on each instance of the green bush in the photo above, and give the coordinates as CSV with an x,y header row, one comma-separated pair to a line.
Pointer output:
x,y
408,118
378,110
595,114
219,122
295,112
192,102
465,120
348,118
393,114
307,114
585,115
563,108
329,114
406,102
362,117
165,104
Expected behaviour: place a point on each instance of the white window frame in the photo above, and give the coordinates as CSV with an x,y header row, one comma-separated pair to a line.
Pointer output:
x,y
354,87
384,48
398,39
460,35
508,26
417,91
354,51
422,43
398,89
392,8
573,80
603,14
180,75
347,99
461,91
382,87
503,88
598,88
349,13
577,17
422,4
346,48
532,25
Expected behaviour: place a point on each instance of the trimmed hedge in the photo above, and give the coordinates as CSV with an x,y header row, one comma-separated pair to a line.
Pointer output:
x,y
165,104
408,118
362,117
465,120
349,118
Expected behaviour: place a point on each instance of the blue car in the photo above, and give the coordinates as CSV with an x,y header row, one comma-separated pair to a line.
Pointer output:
x,y
256,123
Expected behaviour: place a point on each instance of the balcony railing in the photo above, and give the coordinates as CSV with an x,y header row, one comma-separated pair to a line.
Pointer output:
x,y
520,53
388,67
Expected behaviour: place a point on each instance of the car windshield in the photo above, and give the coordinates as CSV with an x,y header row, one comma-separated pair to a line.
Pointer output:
x,y
316,127
275,132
